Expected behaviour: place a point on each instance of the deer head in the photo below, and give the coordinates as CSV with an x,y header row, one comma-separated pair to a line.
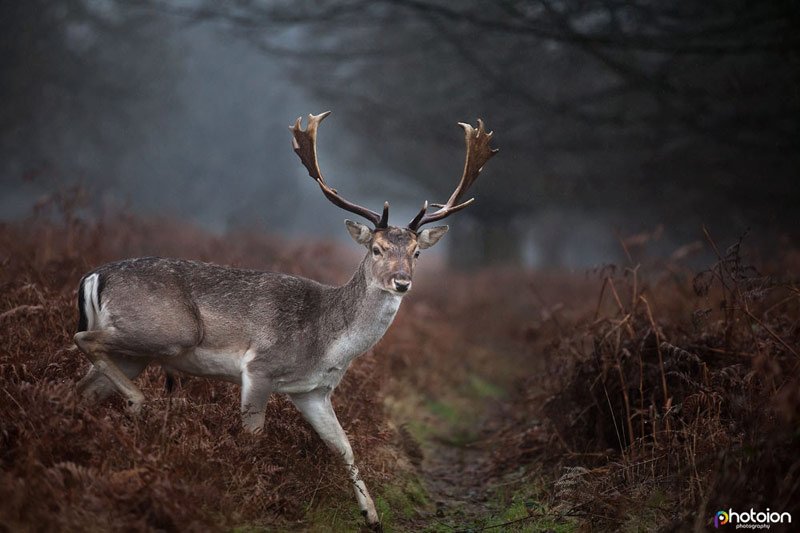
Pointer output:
x,y
393,251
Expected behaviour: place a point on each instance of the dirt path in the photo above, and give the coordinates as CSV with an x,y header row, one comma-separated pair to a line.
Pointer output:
x,y
458,479
454,475
455,424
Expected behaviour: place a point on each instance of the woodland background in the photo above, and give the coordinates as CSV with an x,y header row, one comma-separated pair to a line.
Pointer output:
x,y
608,340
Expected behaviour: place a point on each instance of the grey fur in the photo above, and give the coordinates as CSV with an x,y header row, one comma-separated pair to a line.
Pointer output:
x,y
160,308
268,332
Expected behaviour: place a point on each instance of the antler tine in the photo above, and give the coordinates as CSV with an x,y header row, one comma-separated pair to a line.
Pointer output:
x,y
304,142
384,221
414,224
478,153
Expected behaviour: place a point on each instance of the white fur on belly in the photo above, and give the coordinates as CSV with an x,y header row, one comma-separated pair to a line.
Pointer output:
x,y
222,363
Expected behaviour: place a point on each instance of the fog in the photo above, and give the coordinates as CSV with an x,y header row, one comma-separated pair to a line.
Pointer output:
x,y
181,110
209,142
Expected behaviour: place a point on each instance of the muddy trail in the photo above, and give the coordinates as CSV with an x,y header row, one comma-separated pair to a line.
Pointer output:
x,y
455,477
466,490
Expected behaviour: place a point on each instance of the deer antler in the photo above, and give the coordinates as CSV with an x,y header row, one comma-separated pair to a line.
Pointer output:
x,y
478,153
304,142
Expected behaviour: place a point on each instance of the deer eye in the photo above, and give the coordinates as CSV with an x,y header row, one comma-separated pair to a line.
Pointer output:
x,y
376,251
416,254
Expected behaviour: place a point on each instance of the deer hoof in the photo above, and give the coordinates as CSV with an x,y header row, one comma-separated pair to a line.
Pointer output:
x,y
373,524
134,406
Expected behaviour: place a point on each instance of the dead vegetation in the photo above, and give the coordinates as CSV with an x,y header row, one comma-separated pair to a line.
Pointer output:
x,y
675,397
654,396
184,464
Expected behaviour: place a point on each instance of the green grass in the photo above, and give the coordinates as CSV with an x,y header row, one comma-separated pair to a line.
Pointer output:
x,y
445,411
519,507
400,503
396,504
457,416
334,518
484,389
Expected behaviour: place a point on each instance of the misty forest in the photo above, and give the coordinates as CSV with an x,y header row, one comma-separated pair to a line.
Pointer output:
x,y
607,338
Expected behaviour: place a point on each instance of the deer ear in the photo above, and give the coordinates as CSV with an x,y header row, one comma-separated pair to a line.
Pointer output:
x,y
359,232
428,237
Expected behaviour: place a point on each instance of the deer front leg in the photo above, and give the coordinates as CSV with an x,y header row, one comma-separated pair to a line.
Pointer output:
x,y
255,396
316,408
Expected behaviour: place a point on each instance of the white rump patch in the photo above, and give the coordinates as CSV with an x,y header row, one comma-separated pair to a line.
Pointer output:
x,y
91,301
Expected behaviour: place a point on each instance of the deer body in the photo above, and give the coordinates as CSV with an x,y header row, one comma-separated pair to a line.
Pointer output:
x,y
265,331
262,330
225,323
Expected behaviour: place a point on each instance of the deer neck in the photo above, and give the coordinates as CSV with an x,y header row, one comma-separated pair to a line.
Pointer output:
x,y
365,313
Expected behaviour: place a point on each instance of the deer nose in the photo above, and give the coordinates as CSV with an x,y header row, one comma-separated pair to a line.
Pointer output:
x,y
401,285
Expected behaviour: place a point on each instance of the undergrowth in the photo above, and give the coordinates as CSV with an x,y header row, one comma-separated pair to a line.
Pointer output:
x,y
675,397
634,398
184,463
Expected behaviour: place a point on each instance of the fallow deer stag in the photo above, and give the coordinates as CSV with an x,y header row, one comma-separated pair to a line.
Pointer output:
x,y
268,332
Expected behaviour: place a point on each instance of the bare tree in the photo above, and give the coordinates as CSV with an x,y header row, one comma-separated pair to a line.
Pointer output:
x,y
656,110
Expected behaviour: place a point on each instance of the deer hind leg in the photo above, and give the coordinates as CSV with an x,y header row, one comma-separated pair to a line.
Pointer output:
x,y
171,381
316,408
94,385
97,345
97,387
